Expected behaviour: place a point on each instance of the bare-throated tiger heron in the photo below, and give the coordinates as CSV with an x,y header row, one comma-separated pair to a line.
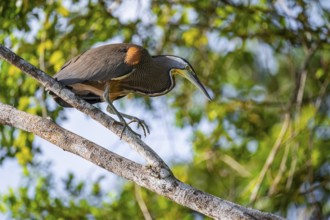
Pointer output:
x,y
110,72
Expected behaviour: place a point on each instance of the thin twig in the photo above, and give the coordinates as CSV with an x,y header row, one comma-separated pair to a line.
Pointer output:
x,y
292,166
141,203
281,171
299,94
309,166
271,157
297,99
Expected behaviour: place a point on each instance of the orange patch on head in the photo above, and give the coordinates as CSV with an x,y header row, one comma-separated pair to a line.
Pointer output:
x,y
133,56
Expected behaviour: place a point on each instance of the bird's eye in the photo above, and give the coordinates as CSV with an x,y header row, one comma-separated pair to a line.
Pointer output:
x,y
189,69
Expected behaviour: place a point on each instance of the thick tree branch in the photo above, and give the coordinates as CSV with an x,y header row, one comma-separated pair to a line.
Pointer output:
x,y
169,187
51,84
163,183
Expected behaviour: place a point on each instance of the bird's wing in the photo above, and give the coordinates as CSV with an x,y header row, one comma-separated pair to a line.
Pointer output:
x,y
97,64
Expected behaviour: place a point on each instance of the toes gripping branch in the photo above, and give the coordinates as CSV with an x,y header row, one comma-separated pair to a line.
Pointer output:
x,y
112,110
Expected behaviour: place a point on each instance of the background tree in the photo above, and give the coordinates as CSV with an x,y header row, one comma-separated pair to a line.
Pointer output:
x,y
263,141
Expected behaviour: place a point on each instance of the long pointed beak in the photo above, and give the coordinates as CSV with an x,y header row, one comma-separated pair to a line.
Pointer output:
x,y
192,77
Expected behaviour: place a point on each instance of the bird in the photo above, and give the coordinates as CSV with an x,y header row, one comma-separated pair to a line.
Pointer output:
x,y
110,72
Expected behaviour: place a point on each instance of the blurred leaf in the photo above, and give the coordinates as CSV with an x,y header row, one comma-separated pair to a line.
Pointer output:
x,y
249,54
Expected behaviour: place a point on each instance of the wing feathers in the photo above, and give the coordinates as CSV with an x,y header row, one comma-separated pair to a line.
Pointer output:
x,y
98,64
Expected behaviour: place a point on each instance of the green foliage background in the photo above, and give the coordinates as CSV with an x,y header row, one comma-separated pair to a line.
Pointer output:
x,y
266,62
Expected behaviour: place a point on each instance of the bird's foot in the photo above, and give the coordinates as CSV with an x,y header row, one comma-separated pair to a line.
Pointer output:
x,y
132,119
141,123
128,127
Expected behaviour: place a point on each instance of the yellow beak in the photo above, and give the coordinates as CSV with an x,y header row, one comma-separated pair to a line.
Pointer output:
x,y
192,77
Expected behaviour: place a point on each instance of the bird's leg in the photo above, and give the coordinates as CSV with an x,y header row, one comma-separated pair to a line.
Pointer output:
x,y
132,119
140,122
111,106
111,109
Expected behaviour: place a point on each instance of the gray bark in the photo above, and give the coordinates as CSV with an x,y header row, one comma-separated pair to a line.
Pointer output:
x,y
156,176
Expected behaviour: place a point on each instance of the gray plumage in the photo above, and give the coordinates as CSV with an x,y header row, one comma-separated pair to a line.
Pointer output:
x,y
126,68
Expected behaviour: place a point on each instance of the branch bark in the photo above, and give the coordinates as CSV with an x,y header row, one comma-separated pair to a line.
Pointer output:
x,y
163,183
158,165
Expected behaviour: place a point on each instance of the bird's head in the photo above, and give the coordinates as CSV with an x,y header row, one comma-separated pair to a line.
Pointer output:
x,y
180,66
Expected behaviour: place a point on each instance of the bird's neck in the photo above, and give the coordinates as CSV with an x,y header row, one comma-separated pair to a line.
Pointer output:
x,y
150,79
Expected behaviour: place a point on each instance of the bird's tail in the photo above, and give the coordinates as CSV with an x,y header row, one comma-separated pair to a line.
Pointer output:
x,y
90,98
58,100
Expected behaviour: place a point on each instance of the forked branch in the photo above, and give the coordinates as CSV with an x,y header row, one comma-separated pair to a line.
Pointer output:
x,y
163,183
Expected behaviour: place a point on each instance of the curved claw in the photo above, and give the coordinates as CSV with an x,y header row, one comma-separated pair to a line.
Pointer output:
x,y
126,126
141,123
132,119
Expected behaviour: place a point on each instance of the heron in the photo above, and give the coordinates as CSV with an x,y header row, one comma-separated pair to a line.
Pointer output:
x,y
110,72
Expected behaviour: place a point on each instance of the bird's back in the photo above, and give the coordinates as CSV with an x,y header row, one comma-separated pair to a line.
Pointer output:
x,y
87,73
97,64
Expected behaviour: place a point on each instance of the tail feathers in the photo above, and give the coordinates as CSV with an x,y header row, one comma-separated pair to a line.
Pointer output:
x,y
61,102
90,98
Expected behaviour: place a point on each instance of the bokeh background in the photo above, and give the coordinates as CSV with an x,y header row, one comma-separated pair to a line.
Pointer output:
x,y
263,142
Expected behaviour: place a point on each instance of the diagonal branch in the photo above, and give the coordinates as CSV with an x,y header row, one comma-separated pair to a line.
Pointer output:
x,y
163,183
51,84
169,187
